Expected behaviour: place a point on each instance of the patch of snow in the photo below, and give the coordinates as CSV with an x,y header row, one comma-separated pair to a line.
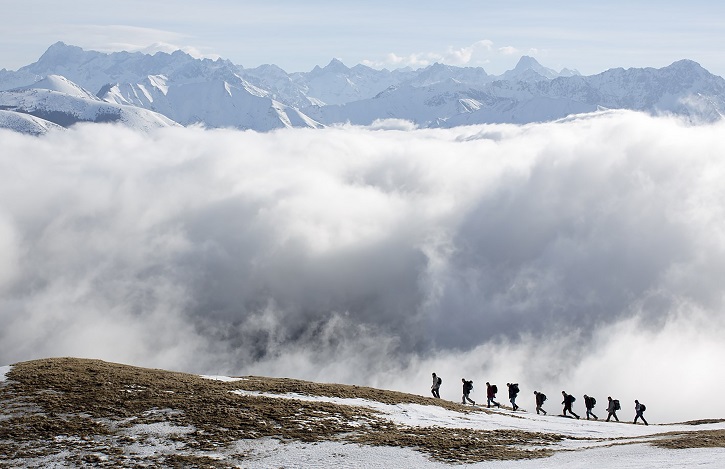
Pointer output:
x,y
495,419
4,370
272,453
151,439
159,429
222,378
638,456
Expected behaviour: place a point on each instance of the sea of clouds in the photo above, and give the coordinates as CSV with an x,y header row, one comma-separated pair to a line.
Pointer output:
x,y
586,254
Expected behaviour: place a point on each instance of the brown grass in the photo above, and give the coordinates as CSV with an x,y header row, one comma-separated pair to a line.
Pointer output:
x,y
699,422
82,412
696,439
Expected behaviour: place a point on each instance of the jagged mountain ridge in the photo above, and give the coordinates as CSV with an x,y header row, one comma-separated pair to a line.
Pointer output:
x,y
215,103
184,89
683,88
218,93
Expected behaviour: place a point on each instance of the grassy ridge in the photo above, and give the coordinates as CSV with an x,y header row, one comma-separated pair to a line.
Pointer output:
x,y
83,412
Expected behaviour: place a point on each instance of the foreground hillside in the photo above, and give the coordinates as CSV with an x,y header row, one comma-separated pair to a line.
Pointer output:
x,y
87,413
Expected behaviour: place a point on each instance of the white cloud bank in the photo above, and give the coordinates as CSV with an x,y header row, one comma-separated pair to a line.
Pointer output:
x,y
585,255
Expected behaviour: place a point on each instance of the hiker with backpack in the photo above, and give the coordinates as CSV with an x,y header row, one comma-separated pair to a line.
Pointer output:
x,y
568,401
491,390
612,408
589,403
435,389
639,409
513,392
540,398
467,388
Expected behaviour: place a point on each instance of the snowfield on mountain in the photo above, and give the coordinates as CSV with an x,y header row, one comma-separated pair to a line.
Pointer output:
x,y
62,102
69,412
25,123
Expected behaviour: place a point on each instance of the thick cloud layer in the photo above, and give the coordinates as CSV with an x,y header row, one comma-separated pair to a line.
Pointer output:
x,y
586,254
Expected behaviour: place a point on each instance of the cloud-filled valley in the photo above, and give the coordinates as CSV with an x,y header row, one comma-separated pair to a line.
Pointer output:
x,y
565,255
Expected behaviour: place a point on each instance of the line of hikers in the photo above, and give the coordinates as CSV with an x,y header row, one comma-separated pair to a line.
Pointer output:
x,y
539,397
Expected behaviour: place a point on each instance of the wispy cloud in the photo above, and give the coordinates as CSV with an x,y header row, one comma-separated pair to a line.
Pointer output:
x,y
508,50
477,53
481,53
115,38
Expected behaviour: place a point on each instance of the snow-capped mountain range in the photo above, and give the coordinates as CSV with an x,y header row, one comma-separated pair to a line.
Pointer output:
x,y
68,85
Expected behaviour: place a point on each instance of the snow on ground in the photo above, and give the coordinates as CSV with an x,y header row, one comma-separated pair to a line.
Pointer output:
x,y
225,379
497,419
4,371
270,453
598,449
153,438
595,444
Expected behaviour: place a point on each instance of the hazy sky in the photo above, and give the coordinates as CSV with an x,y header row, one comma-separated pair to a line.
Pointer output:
x,y
588,36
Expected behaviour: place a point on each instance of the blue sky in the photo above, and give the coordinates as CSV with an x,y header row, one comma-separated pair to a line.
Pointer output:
x,y
588,36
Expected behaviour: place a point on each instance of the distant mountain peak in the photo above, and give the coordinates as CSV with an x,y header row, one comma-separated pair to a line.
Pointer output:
x,y
529,68
180,53
567,72
438,66
59,52
337,66
527,63
60,45
686,64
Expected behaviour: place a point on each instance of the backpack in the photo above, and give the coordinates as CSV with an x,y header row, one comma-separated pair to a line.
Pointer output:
x,y
592,401
571,398
642,407
515,388
494,388
542,396
440,381
468,386
616,405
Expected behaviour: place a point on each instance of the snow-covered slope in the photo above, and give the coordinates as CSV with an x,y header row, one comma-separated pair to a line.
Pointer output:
x,y
424,105
88,413
280,85
64,103
25,123
217,103
338,84
62,85
683,88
